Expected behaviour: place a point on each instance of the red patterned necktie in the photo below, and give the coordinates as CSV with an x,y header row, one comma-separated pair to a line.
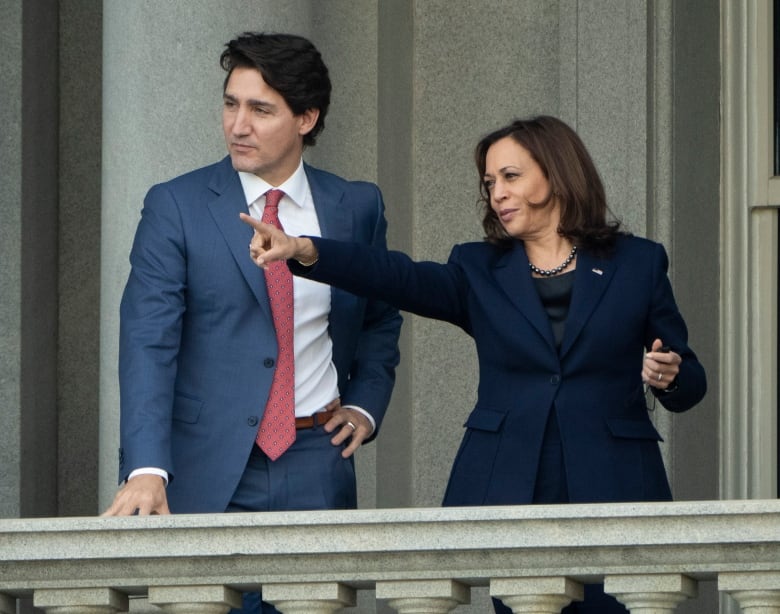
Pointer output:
x,y
277,429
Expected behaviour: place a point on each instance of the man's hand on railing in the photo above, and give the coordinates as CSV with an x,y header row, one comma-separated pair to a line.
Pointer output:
x,y
142,495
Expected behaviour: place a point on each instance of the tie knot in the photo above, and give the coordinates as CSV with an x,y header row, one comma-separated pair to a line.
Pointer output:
x,y
272,198
271,210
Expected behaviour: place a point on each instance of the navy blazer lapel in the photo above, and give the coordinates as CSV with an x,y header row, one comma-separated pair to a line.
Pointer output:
x,y
514,278
231,201
590,281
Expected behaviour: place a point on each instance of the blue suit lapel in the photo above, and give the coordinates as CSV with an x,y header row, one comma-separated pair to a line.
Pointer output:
x,y
591,280
515,280
333,215
229,202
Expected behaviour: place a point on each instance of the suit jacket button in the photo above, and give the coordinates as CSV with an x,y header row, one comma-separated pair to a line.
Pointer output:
x,y
555,380
252,421
268,363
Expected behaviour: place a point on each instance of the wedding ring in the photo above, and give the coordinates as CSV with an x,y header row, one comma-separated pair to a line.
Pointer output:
x,y
660,375
352,424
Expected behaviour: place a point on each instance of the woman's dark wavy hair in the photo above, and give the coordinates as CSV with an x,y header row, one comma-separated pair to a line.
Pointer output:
x,y
290,64
572,176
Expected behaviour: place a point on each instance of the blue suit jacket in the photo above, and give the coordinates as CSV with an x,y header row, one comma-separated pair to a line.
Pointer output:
x,y
197,341
619,305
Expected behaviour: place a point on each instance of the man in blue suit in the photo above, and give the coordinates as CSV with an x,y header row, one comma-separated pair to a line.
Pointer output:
x,y
198,344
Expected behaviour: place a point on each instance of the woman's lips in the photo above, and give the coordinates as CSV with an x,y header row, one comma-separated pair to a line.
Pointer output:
x,y
506,214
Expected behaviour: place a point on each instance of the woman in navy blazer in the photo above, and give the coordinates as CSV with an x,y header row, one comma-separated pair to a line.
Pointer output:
x,y
573,321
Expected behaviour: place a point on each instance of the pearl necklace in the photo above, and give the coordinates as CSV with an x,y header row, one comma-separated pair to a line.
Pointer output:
x,y
556,270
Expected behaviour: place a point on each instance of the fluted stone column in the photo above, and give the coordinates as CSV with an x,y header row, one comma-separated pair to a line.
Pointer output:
x,y
215,599
423,596
755,592
80,601
651,594
536,595
309,598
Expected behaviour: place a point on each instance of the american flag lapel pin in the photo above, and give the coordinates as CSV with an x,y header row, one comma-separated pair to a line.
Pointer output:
x,y
598,271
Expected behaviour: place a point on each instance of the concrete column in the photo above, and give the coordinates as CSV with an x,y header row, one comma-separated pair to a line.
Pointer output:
x,y
78,340
162,88
194,599
651,594
604,54
470,67
49,210
10,254
28,250
536,595
423,596
309,598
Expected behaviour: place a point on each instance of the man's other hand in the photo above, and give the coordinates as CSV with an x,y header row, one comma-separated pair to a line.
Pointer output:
x,y
142,495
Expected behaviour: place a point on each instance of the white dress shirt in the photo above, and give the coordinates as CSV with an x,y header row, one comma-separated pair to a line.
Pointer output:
x,y
316,379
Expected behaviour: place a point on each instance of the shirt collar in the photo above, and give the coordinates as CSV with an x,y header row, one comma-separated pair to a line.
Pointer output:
x,y
294,187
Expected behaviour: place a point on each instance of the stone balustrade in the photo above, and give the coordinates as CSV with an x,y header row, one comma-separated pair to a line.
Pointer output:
x,y
651,556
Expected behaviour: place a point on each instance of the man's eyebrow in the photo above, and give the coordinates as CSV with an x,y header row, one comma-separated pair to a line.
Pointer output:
x,y
252,102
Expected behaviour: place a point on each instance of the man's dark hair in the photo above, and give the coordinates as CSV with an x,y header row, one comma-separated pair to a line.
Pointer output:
x,y
573,179
289,64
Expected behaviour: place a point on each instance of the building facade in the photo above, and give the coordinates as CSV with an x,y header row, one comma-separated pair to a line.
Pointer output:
x,y
99,100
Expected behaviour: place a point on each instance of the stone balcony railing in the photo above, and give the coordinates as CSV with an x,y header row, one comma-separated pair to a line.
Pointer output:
x,y
651,556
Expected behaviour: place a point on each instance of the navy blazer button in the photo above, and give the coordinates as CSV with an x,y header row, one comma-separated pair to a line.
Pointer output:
x,y
555,380
268,362
252,421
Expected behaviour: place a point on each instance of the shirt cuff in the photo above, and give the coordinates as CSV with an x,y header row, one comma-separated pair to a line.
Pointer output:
x,y
366,414
149,471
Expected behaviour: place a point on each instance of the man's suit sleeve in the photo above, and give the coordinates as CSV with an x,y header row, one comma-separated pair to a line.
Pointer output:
x,y
372,371
151,312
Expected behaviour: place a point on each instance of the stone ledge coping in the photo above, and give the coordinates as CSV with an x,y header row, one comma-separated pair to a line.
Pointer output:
x,y
360,547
